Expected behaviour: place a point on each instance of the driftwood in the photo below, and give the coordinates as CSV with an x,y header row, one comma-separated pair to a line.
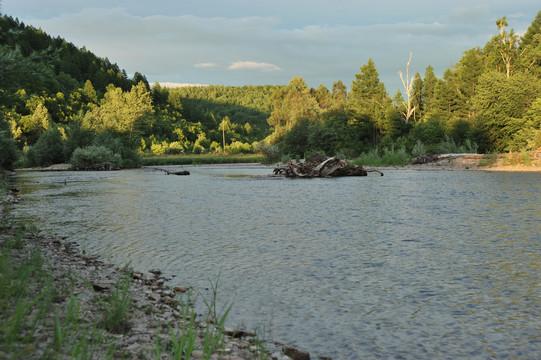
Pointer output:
x,y
106,166
319,166
179,172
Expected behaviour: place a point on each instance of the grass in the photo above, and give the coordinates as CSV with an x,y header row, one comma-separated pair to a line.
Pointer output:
x,y
490,160
200,159
116,305
389,157
517,158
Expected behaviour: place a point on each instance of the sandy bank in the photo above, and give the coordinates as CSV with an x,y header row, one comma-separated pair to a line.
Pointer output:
x,y
474,162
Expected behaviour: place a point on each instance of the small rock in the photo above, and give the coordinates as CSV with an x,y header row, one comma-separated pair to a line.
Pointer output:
x,y
101,286
166,300
154,296
180,289
278,355
296,354
197,354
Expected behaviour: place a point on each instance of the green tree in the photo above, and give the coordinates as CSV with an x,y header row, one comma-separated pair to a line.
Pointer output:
x,y
465,79
290,104
48,149
428,89
417,97
501,103
123,112
502,49
368,98
339,94
530,47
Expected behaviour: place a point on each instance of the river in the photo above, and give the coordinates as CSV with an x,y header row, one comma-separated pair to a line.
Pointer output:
x,y
411,265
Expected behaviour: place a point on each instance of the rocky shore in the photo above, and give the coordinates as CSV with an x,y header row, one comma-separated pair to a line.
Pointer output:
x,y
475,162
157,316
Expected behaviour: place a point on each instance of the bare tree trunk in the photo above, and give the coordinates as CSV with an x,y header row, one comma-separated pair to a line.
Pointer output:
x,y
408,86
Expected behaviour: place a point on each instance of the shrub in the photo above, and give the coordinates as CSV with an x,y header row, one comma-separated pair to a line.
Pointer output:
x,y
271,152
238,147
8,150
419,149
86,157
47,150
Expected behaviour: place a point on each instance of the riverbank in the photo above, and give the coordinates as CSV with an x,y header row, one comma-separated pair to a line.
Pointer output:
x,y
476,162
58,301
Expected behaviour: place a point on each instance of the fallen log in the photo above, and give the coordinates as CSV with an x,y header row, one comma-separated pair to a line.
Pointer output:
x,y
319,166
178,172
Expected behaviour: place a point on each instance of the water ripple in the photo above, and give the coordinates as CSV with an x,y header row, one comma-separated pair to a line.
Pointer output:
x,y
409,265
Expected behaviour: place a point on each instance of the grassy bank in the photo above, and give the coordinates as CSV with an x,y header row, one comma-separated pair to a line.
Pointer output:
x,y
200,159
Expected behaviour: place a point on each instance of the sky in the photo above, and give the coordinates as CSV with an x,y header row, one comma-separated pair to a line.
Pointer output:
x,y
253,42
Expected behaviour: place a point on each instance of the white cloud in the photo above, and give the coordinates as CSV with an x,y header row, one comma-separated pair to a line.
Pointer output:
x,y
207,65
172,85
321,43
251,65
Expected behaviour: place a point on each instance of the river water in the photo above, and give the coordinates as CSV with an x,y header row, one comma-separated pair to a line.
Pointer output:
x,y
411,265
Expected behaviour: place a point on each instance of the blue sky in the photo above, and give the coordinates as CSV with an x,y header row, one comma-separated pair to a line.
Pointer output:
x,y
241,42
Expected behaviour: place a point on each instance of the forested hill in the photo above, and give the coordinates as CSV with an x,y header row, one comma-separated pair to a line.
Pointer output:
x,y
57,101
246,106
36,62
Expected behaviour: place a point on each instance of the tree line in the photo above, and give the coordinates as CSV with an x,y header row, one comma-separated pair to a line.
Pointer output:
x,y
487,102
60,103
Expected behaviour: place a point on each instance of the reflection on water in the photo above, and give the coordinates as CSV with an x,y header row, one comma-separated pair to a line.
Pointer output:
x,y
409,265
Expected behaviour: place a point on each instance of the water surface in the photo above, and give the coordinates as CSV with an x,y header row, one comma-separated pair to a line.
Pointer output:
x,y
415,264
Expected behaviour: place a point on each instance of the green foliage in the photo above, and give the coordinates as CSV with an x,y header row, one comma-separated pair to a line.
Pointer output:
x,y
48,149
194,159
501,103
8,150
86,157
388,157
117,304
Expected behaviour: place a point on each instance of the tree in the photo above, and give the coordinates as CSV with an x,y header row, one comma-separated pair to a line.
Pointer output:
x,y
290,104
501,104
225,125
119,111
429,86
408,87
530,47
368,98
339,93
465,79
417,97
323,97
502,49
36,123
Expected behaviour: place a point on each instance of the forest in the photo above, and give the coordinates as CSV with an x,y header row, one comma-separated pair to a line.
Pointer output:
x,y
60,103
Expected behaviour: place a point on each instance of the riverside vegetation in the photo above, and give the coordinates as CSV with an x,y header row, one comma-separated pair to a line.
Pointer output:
x,y
56,302
59,103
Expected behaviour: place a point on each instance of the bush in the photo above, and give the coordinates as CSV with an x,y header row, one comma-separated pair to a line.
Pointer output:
x,y
86,157
271,152
238,147
48,150
419,149
8,150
